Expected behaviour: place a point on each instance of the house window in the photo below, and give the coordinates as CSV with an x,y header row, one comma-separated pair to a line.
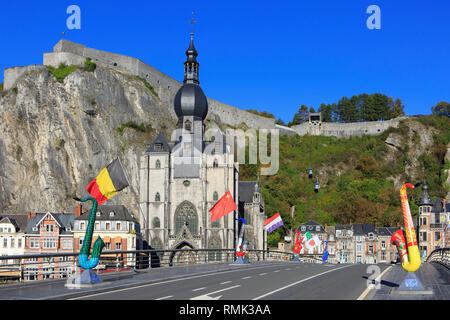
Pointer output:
x,y
97,226
370,249
49,228
383,256
303,228
118,226
118,245
383,244
49,243
156,223
19,243
158,146
112,214
34,243
66,244
12,243
108,245
108,226
437,236
318,228
216,163
5,242
81,225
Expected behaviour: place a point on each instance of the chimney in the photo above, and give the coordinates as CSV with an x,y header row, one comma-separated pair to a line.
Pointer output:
x,y
325,227
78,210
31,214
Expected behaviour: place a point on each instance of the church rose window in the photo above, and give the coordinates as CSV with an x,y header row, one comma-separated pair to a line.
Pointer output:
x,y
186,213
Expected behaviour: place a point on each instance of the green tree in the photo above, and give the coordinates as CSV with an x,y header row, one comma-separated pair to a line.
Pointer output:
x,y
441,109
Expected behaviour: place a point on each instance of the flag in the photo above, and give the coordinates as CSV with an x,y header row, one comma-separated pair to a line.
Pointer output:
x,y
312,242
110,180
222,207
273,223
308,235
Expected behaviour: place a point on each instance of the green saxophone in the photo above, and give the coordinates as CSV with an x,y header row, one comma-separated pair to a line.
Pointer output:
x,y
83,257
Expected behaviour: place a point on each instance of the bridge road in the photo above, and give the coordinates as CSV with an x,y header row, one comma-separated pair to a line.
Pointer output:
x,y
286,281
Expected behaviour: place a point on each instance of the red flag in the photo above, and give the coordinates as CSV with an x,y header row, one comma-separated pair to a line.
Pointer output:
x,y
223,206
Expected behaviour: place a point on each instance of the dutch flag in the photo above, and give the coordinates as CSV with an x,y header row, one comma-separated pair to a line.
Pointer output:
x,y
273,223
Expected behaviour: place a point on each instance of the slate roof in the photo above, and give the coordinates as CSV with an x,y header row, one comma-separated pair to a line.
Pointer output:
x,y
18,220
311,226
65,220
120,214
160,139
387,231
246,190
360,229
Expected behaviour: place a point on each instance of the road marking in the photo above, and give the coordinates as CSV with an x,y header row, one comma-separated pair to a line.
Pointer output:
x,y
246,277
295,283
207,296
288,269
369,288
162,298
198,289
225,282
166,281
277,271
262,274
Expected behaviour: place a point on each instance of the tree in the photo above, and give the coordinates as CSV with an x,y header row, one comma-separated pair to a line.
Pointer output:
x,y
301,116
441,109
397,109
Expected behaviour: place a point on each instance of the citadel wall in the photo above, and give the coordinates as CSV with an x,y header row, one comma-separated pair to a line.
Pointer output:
x,y
75,54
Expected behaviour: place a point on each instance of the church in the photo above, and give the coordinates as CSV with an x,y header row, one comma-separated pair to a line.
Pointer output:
x,y
181,180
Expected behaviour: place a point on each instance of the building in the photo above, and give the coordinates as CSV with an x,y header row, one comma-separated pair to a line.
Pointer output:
x,y
48,233
12,242
387,253
180,181
331,246
116,226
315,229
433,216
344,244
365,240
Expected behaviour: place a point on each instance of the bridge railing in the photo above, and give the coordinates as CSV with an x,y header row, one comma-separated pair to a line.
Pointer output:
x,y
44,266
441,255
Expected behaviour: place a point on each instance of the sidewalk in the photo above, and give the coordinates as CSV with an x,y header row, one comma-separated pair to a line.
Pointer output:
x,y
433,276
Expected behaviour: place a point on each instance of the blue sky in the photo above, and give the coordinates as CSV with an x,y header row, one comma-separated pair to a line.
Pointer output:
x,y
265,55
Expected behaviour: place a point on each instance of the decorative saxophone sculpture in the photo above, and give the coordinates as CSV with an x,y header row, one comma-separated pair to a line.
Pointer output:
x,y
407,250
325,252
83,259
241,247
298,243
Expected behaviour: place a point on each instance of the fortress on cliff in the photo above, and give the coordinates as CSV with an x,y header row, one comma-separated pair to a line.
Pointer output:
x,y
72,53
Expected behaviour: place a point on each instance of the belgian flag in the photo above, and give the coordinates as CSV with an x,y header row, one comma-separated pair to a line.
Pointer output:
x,y
111,180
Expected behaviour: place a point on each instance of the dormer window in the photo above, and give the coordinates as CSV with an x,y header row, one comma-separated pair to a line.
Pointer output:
x,y
35,228
112,214
318,228
158,146
98,214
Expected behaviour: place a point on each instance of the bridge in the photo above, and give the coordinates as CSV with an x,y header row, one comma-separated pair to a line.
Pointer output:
x,y
211,274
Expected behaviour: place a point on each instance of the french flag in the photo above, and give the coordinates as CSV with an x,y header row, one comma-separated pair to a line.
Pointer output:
x,y
273,223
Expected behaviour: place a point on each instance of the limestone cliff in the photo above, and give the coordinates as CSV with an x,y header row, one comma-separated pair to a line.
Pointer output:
x,y
56,137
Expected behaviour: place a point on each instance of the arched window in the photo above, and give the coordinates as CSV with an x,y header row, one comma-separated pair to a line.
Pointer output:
x,y
186,213
216,163
156,223
215,196
188,125
157,197
158,164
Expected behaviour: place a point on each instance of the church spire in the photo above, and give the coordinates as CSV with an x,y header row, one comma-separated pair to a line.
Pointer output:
x,y
191,65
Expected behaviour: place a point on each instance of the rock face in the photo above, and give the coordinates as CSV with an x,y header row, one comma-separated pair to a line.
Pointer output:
x,y
56,137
